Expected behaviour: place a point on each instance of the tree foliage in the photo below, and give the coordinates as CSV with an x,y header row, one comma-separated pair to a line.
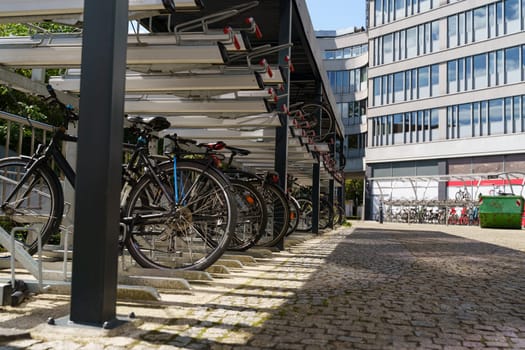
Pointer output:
x,y
20,103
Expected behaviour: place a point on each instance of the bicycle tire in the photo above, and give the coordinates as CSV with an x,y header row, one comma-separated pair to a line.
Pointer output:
x,y
326,214
278,215
305,216
38,205
189,235
294,215
252,216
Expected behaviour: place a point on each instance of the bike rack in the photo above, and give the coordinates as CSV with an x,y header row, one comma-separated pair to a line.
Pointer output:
x,y
24,11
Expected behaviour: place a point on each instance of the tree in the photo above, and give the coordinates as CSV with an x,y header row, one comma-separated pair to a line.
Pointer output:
x,y
20,103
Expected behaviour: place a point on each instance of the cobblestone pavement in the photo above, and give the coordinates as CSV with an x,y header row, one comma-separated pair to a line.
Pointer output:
x,y
375,287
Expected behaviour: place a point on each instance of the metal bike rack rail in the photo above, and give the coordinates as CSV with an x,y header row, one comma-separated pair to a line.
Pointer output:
x,y
38,11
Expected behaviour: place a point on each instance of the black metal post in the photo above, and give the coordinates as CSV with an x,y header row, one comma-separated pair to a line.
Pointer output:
x,y
281,133
95,255
316,171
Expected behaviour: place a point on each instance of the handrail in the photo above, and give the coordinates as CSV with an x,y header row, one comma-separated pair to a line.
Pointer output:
x,y
25,121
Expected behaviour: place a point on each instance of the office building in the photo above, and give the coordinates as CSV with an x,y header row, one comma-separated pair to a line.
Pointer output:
x,y
446,100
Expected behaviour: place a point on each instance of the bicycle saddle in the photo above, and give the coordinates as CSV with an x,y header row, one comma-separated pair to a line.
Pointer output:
x,y
156,123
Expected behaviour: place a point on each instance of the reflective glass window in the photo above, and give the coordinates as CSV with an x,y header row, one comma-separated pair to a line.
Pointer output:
x,y
400,9
492,20
495,117
476,125
435,36
516,114
512,16
480,23
464,121
387,48
398,129
480,71
434,125
499,18
492,68
399,87
461,29
435,80
468,27
411,44
512,65
508,115
452,77
452,29
500,68
423,82
468,72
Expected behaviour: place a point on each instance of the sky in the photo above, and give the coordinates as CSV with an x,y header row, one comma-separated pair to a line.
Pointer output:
x,y
337,14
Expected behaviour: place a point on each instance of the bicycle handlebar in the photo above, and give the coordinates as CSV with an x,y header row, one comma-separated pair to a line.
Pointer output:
x,y
69,114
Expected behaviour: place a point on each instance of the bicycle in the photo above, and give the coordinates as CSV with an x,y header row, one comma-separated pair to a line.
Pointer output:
x,y
252,213
462,195
176,214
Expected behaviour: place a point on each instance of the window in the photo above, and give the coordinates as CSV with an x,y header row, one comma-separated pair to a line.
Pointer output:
x,y
492,69
480,71
387,48
480,23
398,129
496,117
400,9
492,20
378,12
508,115
411,42
464,121
434,125
500,68
476,125
435,80
512,16
423,82
516,113
377,91
452,24
399,87
461,29
499,19
512,65
452,77
435,36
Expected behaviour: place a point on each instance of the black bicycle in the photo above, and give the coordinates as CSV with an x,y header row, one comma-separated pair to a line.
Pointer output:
x,y
176,214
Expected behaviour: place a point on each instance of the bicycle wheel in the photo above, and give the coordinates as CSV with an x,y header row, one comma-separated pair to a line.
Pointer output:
x,y
184,224
252,216
305,214
326,214
294,215
278,215
36,205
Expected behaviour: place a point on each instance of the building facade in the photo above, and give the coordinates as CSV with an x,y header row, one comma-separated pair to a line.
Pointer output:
x,y
346,62
446,100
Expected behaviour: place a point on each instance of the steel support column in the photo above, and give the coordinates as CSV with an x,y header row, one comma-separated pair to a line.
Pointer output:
x,y
95,255
316,171
281,135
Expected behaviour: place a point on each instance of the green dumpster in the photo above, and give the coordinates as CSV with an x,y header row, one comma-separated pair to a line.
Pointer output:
x,y
501,211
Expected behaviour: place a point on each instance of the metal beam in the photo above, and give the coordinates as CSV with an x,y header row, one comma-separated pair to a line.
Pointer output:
x,y
12,11
98,182
69,56
157,83
267,120
210,107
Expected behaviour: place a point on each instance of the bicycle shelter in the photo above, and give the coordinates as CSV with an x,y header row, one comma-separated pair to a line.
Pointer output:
x,y
218,70
406,198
